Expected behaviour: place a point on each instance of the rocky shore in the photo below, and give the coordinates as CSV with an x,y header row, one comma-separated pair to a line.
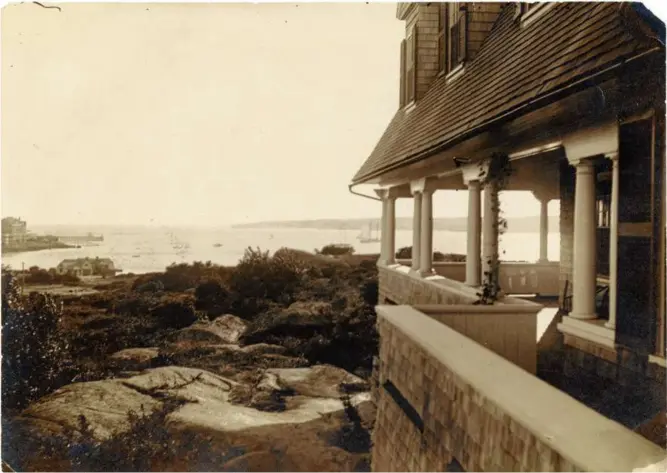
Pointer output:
x,y
260,367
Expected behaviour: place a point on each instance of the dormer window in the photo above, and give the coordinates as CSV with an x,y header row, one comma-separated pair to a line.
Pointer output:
x,y
452,35
408,89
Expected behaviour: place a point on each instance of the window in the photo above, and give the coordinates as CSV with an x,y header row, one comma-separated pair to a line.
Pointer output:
x,y
452,35
408,85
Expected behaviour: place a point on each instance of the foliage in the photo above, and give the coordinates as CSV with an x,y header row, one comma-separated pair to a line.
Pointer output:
x,y
38,275
148,445
496,176
35,350
406,253
336,249
181,277
260,280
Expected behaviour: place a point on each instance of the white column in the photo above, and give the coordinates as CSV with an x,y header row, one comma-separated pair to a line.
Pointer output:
x,y
383,235
474,248
489,229
584,270
544,230
416,229
613,242
426,250
390,230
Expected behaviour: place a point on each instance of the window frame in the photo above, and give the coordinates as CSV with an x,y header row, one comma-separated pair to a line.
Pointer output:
x,y
450,16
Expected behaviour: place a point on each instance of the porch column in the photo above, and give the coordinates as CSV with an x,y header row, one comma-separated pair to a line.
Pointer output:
x,y
474,248
416,229
489,229
426,250
584,270
613,241
544,230
388,250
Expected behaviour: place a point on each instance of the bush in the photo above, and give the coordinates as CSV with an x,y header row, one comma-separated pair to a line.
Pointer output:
x,y
336,249
175,314
406,253
212,297
35,350
148,445
42,276
260,281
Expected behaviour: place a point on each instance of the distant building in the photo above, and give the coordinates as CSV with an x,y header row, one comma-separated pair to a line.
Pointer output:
x,y
14,231
87,267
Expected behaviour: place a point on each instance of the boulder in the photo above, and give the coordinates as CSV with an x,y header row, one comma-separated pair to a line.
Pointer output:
x,y
210,413
224,329
134,359
300,320
321,381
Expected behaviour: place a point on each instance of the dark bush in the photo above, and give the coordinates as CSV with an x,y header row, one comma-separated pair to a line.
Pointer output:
x,y
336,249
175,314
406,253
212,297
37,275
260,280
35,351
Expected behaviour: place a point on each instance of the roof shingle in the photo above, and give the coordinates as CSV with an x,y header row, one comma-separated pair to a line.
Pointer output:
x,y
515,65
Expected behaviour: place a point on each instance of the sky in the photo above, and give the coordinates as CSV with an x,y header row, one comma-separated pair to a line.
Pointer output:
x,y
198,114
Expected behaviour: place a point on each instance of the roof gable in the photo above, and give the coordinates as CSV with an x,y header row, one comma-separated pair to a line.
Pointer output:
x,y
515,65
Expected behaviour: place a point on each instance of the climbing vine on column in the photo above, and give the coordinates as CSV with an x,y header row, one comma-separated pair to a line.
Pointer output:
x,y
495,173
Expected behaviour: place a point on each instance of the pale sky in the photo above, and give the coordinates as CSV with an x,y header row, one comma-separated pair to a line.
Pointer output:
x,y
204,114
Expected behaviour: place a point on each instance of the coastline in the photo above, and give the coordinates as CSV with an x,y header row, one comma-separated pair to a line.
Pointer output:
x,y
35,247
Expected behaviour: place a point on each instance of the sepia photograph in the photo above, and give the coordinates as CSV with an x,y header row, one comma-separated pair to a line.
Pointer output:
x,y
333,236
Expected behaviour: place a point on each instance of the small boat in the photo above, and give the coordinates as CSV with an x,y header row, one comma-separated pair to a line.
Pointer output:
x,y
217,245
136,256
367,236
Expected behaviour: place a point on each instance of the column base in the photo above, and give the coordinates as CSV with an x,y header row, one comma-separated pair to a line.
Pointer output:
x,y
415,272
574,315
610,325
543,261
425,274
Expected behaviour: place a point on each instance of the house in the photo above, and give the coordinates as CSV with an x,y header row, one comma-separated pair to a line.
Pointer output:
x,y
87,267
14,231
565,100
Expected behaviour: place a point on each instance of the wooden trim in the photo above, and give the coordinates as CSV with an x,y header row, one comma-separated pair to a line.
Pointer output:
x,y
442,37
658,194
635,229
401,91
411,65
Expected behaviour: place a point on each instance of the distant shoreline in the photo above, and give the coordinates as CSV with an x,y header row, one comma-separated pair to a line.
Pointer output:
x,y
457,224
30,247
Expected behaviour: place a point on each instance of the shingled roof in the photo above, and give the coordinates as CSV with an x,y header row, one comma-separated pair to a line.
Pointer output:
x,y
515,65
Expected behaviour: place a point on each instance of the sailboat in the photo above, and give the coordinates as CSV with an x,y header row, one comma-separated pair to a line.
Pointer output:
x,y
367,236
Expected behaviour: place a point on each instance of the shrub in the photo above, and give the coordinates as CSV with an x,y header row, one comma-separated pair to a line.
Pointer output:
x,y
175,313
37,275
212,297
260,280
35,350
406,253
336,249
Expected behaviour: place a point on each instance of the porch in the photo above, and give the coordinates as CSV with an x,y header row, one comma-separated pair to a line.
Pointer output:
x,y
447,403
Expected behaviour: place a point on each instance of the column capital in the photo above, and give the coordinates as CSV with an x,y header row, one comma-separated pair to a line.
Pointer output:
x,y
612,156
542,196
583,165
425,185
598,140
388,193
473,172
